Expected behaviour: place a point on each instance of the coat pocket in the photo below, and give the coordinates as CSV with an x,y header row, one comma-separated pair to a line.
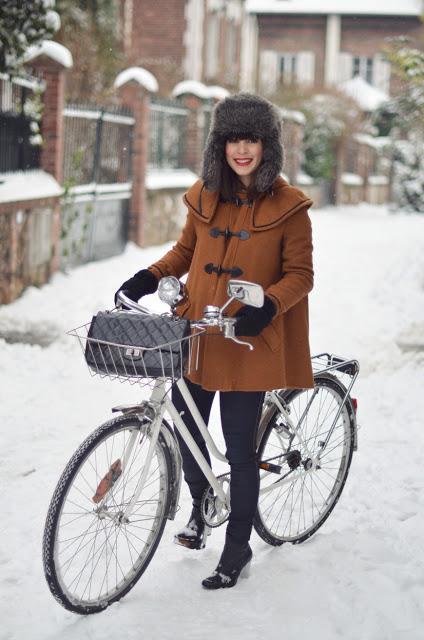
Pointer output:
x,y
271,337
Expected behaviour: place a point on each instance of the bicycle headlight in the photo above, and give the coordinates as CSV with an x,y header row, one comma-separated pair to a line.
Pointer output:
x,y
170,290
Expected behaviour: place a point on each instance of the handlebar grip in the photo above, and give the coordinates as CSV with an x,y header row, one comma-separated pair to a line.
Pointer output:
x,y
124,300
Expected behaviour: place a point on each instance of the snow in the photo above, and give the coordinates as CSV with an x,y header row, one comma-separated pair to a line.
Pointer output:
x,y
378,180
217,92
377,142
192,87
352,179
361,577
170,179
28,185
368,97
144,78
303,179
340,7
294,116
52,50
200,90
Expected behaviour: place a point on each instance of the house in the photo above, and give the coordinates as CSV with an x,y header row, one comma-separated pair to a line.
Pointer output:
x,y
201,40
329,42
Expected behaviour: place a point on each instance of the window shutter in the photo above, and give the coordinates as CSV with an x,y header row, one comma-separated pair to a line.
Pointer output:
x,y
306,68
268,71
345,67
381,73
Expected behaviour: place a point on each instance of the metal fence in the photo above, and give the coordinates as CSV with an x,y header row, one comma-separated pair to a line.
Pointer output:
x,y
97,145
168,129
19,123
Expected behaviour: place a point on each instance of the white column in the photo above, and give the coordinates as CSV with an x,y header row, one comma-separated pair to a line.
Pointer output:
x,y
249,53
332,49
193,40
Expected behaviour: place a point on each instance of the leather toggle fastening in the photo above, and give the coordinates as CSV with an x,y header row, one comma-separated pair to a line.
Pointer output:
x,y
238,201
219,270
243,234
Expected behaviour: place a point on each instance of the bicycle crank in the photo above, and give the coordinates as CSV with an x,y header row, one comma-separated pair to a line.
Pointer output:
x,y
213,510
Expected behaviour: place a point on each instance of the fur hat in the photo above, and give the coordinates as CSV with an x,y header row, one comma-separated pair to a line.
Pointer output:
x,y
245,115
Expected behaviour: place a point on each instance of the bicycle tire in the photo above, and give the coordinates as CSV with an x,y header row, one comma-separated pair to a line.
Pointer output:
x,y
284,516
94,524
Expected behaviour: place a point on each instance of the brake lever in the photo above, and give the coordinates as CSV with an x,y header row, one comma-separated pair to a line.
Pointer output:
x,y
229,332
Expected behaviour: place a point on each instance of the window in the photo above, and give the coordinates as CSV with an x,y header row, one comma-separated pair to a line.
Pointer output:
x,y
288,68
363,67
285,68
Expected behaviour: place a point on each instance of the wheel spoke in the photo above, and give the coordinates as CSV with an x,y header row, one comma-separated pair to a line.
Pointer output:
x,y
294,510
96,558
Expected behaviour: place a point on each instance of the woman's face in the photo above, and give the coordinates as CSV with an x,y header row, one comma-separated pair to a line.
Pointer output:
x,y
244,156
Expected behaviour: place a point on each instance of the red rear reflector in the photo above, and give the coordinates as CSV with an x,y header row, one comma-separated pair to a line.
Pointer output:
x,y
355,405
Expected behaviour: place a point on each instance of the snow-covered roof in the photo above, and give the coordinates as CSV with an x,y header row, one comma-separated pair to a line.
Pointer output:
x,y
53,50
200,90
170,179
340,7
368,97
137,74
28,185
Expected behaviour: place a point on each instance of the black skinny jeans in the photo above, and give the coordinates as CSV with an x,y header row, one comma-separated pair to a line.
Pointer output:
x,y
240,414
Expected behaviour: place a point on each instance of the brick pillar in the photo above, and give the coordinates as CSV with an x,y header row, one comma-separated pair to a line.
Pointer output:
x,y
195,131
137,98
51,160
52,123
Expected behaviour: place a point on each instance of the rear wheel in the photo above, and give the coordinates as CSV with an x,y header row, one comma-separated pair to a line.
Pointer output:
x,y
92,554
311,479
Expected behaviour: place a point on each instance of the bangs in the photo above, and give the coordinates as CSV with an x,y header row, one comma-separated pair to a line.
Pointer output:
x,y
243,135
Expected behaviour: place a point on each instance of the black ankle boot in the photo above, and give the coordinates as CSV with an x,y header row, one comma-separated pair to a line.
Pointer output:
x,y
234,561
194,534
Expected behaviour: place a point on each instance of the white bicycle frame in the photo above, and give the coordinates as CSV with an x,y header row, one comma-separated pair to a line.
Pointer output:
x,y
161,402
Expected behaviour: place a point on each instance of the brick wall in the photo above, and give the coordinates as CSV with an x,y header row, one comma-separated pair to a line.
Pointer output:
x,y
157,40
28,246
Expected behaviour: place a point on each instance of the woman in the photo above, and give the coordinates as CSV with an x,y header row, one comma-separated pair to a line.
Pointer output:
x,y
244,221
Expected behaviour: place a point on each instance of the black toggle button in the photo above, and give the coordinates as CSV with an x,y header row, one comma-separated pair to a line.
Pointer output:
x,y
235,272
243,234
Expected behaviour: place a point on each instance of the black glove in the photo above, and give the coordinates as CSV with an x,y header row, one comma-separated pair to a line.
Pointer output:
x,y
252,320
141,284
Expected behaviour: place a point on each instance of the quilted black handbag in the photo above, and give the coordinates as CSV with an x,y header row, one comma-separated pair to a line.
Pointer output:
x,y
129,344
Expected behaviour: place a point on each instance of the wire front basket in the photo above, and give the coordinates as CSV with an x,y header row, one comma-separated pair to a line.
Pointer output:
x,y
139,363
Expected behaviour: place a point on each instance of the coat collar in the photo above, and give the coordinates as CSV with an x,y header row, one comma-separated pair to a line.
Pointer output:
x,y
268,211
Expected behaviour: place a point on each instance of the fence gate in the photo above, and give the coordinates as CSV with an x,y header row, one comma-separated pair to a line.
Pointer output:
x,y
20,114
97,180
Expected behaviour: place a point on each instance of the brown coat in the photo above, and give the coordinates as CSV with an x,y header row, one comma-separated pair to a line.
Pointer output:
x,y
278,255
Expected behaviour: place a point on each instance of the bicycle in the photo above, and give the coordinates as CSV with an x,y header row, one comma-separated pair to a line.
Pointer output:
x,y
110,506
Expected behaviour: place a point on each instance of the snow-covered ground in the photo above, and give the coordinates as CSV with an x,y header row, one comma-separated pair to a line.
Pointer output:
x,y
361,577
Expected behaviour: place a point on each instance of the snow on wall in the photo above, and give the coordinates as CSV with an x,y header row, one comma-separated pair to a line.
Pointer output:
x,y
170,179
352,179
28,185
140,75
338,7
52,50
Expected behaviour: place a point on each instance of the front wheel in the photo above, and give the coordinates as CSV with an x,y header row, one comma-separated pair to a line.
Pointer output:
x,y
92,554
293,504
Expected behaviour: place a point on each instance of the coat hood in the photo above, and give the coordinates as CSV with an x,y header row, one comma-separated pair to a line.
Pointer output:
x,y
267,211
244,115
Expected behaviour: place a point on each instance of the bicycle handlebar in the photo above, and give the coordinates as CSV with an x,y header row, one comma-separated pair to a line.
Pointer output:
x,y
213,318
